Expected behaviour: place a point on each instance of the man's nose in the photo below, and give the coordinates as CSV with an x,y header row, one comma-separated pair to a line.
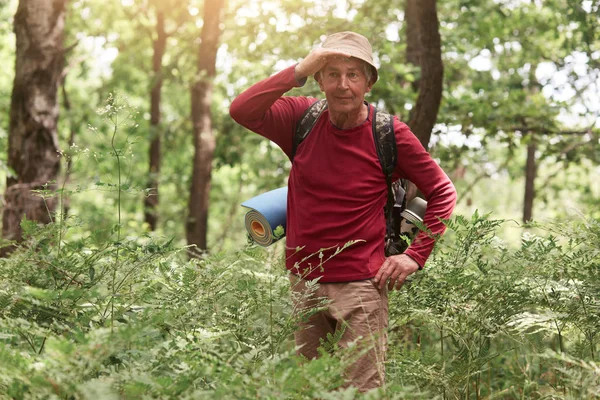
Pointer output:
x,y
343,82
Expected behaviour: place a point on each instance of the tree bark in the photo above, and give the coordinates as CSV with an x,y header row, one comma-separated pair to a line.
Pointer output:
x,y
425,112
204,139
33,139
413,40
424,46
530,175
531,162
152,199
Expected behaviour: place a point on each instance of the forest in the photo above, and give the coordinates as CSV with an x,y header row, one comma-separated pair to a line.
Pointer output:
x,y
126,271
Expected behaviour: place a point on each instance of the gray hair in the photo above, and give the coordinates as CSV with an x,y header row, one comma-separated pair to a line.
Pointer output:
x,y
368,70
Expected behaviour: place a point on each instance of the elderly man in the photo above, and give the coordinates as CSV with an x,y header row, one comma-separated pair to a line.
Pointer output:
x,y
336,195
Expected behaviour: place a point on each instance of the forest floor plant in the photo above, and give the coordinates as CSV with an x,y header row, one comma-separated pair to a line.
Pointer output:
x,y
221,327
119,316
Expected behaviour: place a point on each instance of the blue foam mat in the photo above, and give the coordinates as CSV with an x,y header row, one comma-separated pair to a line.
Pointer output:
x,y
267,212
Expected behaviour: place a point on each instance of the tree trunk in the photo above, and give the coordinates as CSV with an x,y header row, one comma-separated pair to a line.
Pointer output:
x,y
530,163
530,174
423,31
151,200
413,41
425,112
33,139
204,139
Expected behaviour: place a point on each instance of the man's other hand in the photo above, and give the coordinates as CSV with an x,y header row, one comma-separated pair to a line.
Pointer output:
x,y
316,60
395,269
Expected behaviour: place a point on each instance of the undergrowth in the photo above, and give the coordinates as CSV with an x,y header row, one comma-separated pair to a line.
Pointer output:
x,y
115,316
481,321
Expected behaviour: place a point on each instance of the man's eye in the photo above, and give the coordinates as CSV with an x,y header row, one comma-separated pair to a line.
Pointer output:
x,y
333,74
353,75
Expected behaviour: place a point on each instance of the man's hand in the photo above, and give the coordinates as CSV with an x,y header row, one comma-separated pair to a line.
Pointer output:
x,y
396,269
315,61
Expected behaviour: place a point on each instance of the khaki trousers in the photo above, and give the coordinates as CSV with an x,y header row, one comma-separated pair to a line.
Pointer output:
x,y
360,309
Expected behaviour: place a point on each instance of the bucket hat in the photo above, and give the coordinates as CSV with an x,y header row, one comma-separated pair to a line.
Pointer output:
x,y
354,44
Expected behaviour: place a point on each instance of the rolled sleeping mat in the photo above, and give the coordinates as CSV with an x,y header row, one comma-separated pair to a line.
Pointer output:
x,y
267,212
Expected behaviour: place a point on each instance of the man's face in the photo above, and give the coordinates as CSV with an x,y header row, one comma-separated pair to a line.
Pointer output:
x,y
345,84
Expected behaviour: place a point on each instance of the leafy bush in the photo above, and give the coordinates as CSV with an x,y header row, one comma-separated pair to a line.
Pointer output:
x,y
96,314
131,319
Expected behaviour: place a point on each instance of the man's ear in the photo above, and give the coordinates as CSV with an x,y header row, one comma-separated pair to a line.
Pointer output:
x,y
318,78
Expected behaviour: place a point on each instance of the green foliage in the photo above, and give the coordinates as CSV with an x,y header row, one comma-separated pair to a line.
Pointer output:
x,y
500,78
129,318
93,307
481,311
7,54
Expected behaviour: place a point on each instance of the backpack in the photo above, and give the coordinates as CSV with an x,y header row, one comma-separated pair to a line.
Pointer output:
x,y
385,144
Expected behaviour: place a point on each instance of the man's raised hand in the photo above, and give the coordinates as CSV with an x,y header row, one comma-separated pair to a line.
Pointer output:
x,y
316,60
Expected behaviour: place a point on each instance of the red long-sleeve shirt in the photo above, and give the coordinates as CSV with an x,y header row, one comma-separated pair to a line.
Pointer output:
x,y
337,189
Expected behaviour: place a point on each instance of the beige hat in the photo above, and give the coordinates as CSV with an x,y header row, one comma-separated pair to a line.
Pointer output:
x,y
352,43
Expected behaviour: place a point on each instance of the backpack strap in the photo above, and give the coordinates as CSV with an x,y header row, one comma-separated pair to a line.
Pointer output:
x,y
385,143
306,123
387,151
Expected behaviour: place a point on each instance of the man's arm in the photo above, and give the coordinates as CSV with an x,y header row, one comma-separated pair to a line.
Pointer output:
x,y
415,164
262,109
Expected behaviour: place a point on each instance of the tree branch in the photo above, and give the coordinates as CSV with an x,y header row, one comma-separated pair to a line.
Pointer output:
x,y
547,132
463,193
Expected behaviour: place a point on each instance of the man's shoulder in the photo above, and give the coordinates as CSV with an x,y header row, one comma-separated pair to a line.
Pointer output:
x,y
309,101
314,108
383,118
299,102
